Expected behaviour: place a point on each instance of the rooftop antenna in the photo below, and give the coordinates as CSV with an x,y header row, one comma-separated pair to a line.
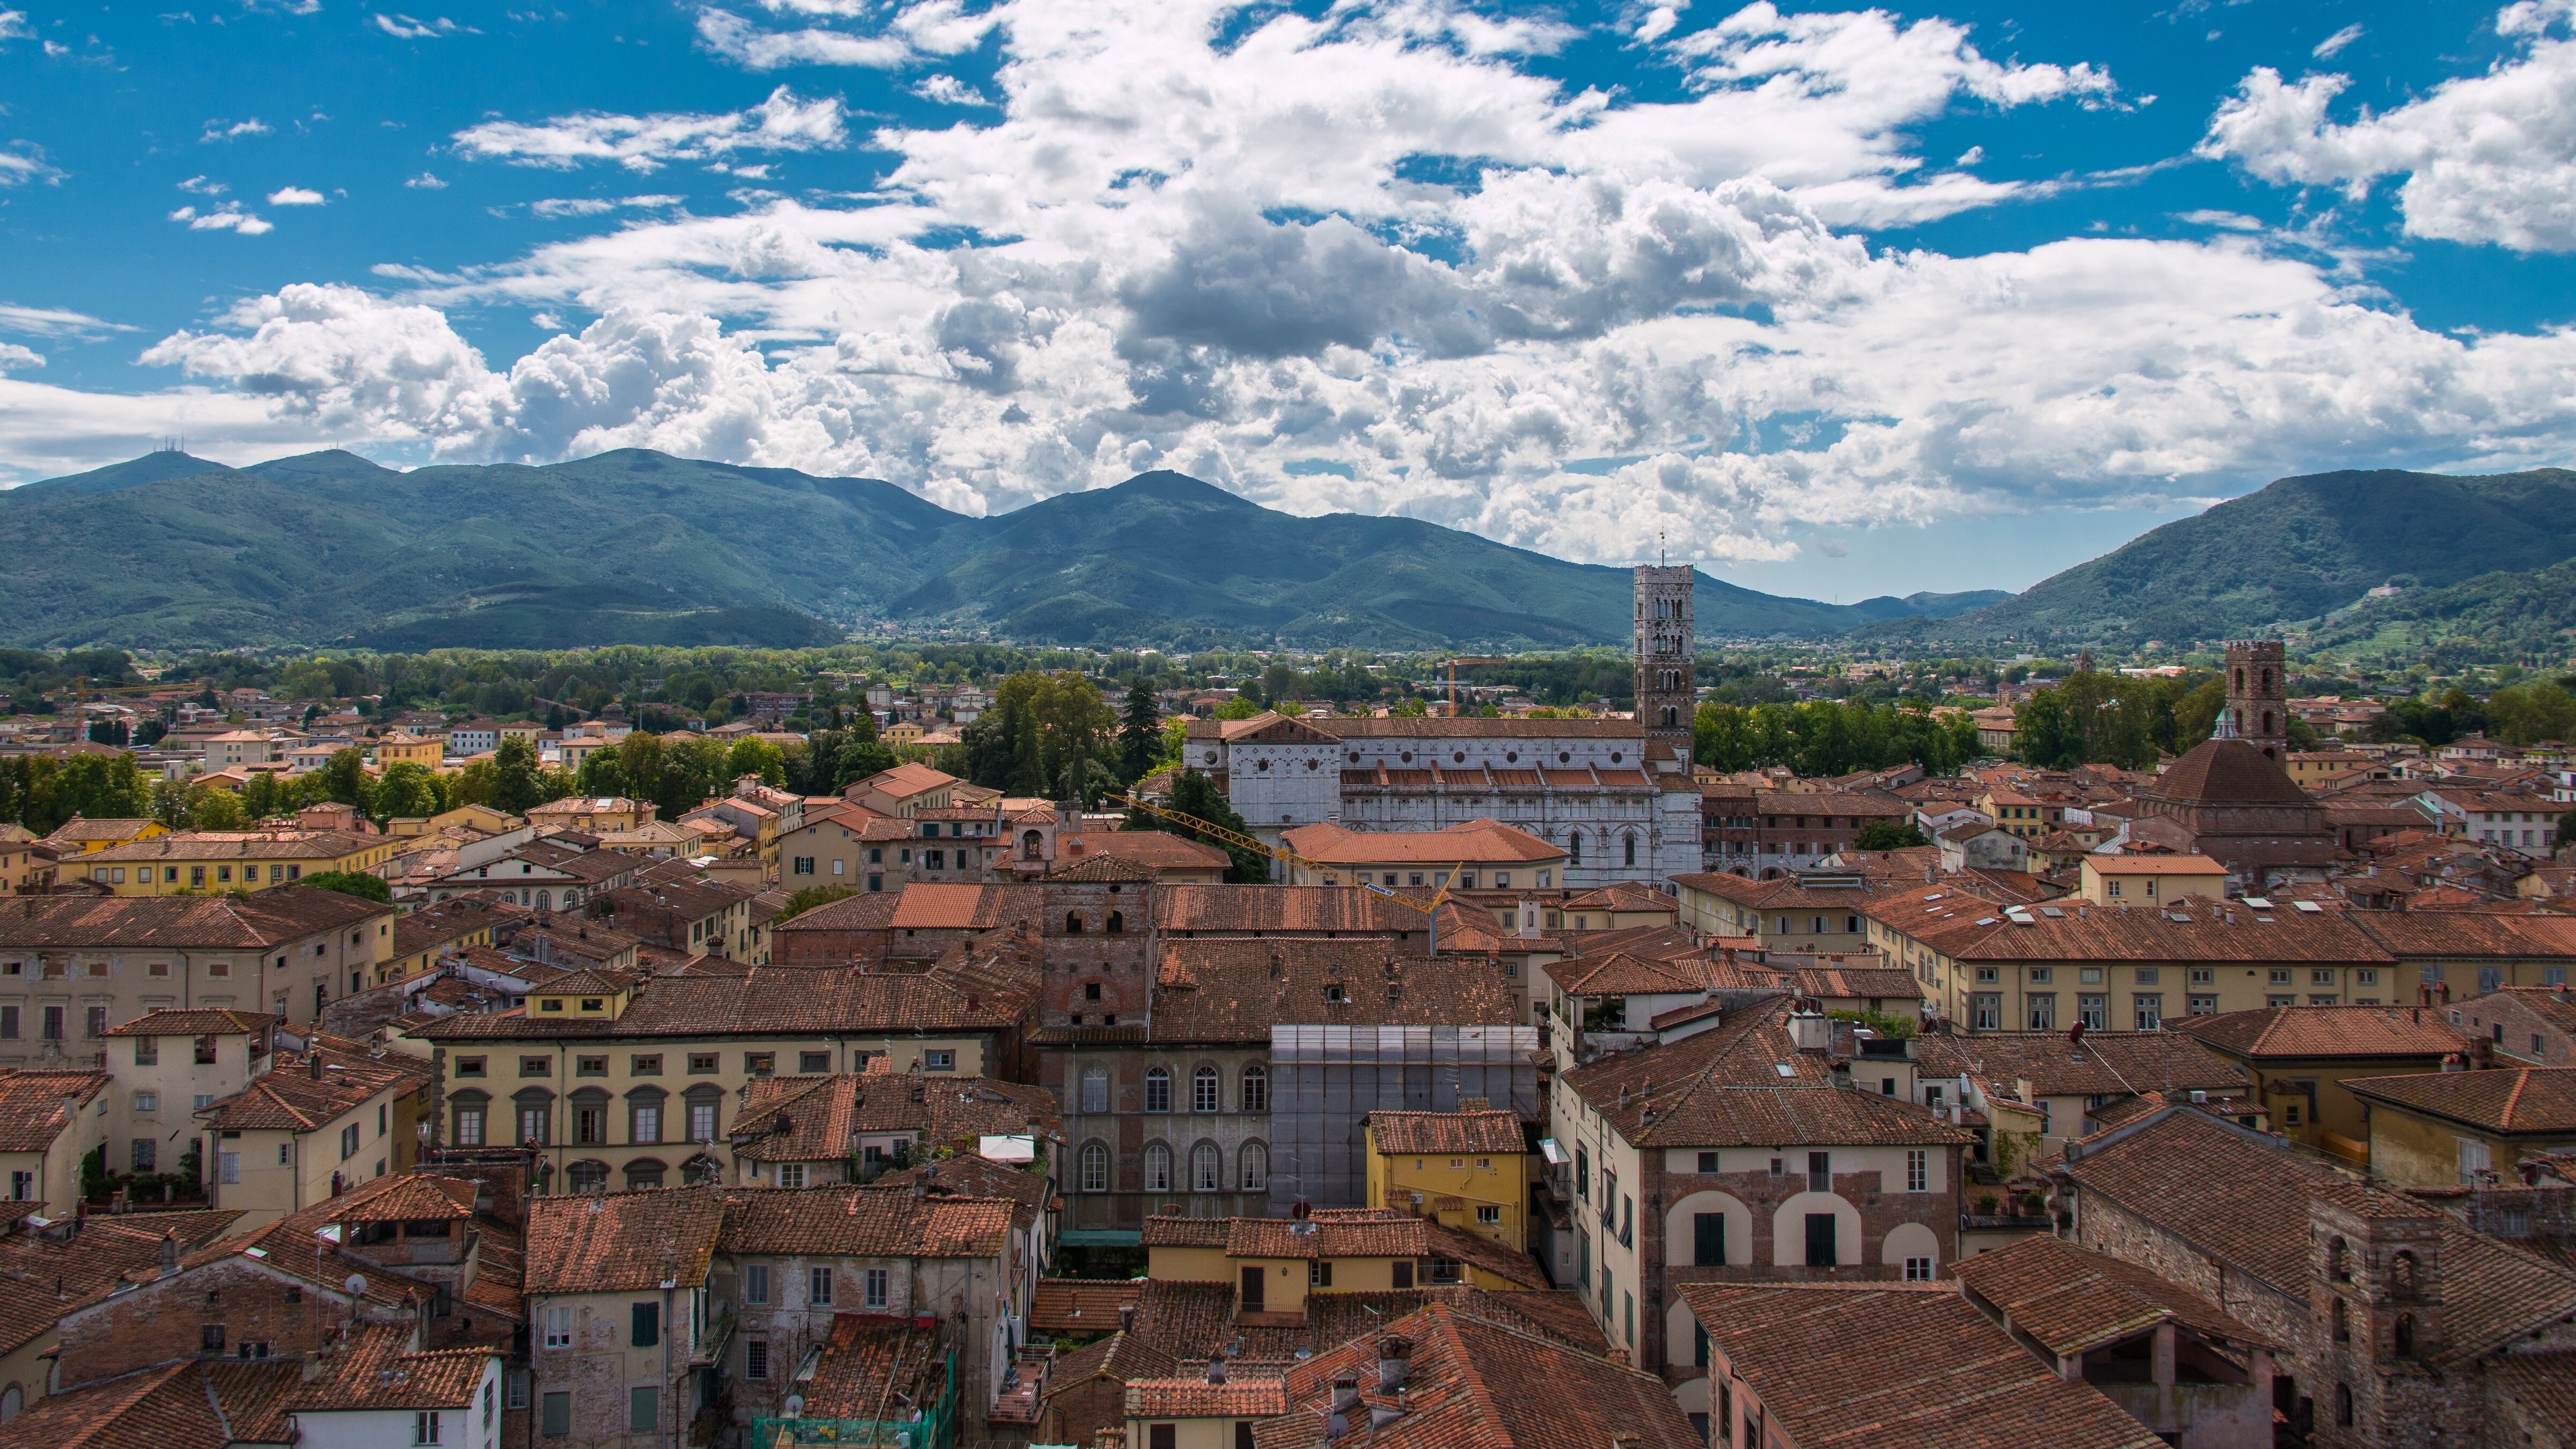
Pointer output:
x,y
1659,548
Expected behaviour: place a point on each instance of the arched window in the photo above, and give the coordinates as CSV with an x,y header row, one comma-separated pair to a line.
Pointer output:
x,y
2343,1405
2403,1340
1628,845
1203,1090
2267,721
545,900
1095,1167
1073,923
11,1401
2338,1266
2401,1274
1158,1090
2240,681
1255,1161
587,1175
1207,1168
1158,1167
2267,681
1032,845
643,1172
1574,847
1116,924
2339,1322
1095,1089
1256,1088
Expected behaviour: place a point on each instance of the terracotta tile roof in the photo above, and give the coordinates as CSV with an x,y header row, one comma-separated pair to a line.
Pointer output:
x,y
2508,1102
158,1408
1786,893
1081,1305
288,1098
861,1362
1182,1398
930,906
2542,1385
2495,1293
169,923
198,1021
1856,981
1817,1358
2274,1032
1104,867
1616,973
1473,1382
862,1222
2072,1300
1171,1230
453,920
79,828
238,845
825,1113
413,1197
1447,1133
1117,1359
2108,1063
1376,1233
2227,772
1234,989
1969,929
2225,1189
31,1105
622,1241
252,1396
1624,897
2458,934
768,1000
1255,909
1478,841
109,1251
375,1372
1742,1083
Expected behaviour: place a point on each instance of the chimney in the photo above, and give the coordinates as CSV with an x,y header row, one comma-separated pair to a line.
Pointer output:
x,y
1394,1355
1809,1029
1126,1317
2481,1054
1346,1394
312,1368
170,1251
1216,1368
313,1065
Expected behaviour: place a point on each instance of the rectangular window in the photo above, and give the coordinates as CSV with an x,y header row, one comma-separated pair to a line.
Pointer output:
x,y
2200,1005
804,865
644,1324
2149,1013
348,1141
469,1066
1987,1011
818,1287
755,1358
1820,1240
939,1061
53,1023
879,1283
2043,1011
759,1064
536,1066
1708,1240
146,1154
424,1427
755,1283
8,1023
590,1066
1489,1216
644,1124
702,1064
517,1393
555,1418
1820,1172
643,1407
1918,1270
813,1064
1708,1162
644,1066
1918,1170
558,1328
2094,1012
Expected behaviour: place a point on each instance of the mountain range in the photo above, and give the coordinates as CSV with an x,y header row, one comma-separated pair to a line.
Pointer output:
x,y
637,546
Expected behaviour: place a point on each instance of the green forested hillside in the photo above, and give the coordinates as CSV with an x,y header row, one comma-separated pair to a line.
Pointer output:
x,y
635,546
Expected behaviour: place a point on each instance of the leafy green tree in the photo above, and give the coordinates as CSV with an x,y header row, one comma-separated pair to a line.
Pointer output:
x,y
407,791
1196,795
514,776
1243,706
2044,736
352,883
344,779
1140,736
639,766
812,896
858,760
211,807
1888,835
754,757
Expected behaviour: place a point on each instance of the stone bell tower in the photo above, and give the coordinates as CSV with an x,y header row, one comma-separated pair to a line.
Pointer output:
x,y
1666,677
2258,690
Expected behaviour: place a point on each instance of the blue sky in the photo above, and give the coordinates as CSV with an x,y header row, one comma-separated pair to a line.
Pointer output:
x,y
1843,301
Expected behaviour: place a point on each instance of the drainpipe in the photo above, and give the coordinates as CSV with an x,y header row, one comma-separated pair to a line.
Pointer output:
x,y
669,1387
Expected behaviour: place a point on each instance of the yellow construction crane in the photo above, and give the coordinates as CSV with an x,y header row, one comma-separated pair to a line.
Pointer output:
x,y
1470,660
1333,875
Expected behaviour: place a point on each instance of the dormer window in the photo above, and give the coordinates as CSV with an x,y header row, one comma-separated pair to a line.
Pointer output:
x,y
593,1003
549,1003
1333,994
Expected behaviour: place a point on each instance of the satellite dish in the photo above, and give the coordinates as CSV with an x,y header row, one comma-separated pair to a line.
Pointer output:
x,y
356,1284
795,1406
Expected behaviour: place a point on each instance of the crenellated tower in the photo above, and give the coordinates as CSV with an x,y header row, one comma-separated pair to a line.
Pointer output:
x,y
1666,677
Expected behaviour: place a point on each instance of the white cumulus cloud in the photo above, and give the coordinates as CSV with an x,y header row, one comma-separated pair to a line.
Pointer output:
x,y
948,90
404,27
1380,240
2487,159
295,196
15,355
748,45
642,143
227,217
2327,48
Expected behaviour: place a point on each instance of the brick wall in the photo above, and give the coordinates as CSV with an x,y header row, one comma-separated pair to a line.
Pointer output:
x,y
165,1320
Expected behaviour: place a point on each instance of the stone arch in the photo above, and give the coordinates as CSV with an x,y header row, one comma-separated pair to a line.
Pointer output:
x,y
1681,1228
1116,925
1910,1240
644,1172
1789,1229
1032,845
1073,923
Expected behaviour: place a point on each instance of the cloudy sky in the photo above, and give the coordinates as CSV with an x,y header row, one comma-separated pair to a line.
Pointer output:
x,y
1841,301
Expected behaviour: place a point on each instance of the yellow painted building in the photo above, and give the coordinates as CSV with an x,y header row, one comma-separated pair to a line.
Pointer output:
x,y
203,862
2151,880
1468,1170
1272,1263
402,747
79,836
2466,1129
311,1128
1191,1413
